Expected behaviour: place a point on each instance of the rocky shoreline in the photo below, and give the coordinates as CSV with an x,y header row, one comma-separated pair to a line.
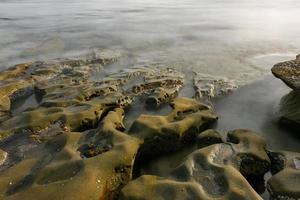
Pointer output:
x,y
70,142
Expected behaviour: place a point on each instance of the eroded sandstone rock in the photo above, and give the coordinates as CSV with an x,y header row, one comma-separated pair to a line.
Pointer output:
x,y
208,87
62,172
284,184
209,137
167,133
213,172
289,72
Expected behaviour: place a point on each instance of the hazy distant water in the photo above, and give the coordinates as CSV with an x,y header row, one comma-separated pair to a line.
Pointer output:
x,y
212,36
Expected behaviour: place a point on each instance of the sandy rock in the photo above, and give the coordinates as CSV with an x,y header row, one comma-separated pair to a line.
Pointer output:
x,y
64,173
213,172
251,158
167,133
284,184
76,117
289,72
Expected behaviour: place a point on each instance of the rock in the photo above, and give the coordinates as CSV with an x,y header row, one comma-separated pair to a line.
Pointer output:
x,y
284,184
208,137
75,117
160,96
3,156
213,172
289,111
251,158
289,72
167,133
208,87
62,172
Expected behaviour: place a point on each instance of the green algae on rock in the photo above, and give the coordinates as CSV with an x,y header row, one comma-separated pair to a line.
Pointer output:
x,y
285,182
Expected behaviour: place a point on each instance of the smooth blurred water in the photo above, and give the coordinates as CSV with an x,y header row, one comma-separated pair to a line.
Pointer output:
x,y
221,37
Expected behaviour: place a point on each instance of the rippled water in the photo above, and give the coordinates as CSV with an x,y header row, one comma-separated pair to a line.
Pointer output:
x,y
212,36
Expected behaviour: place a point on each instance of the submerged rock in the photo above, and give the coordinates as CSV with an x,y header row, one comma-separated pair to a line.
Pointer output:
x,y
289,72
213,172
285,182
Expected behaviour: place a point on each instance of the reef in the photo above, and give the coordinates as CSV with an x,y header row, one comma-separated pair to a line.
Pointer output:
x,y
67,132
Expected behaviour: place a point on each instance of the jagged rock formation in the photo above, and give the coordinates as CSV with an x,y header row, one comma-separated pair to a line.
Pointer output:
x,y
213,172
284,184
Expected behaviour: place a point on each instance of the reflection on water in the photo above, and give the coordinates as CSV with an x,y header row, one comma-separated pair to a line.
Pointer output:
x,y
212,36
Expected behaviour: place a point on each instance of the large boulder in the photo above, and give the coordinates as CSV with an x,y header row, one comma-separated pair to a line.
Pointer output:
x,y
289,72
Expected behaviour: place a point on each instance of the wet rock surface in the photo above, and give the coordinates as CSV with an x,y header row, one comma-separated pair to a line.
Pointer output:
x,y
208,87
212,172
68,140
284,184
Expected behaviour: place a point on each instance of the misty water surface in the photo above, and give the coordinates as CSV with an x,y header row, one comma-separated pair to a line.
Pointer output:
x,y
219,37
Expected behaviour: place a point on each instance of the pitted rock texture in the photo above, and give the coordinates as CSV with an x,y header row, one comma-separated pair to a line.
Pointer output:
x,y
285,182
167,133
289,72
289,111
94,164
212,172
208,87
63,173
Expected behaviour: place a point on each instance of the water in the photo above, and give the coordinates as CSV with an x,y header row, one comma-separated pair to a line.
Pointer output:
x,y
218,37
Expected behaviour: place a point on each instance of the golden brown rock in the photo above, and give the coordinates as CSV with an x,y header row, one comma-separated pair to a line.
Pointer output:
x,y
284,184
62,173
